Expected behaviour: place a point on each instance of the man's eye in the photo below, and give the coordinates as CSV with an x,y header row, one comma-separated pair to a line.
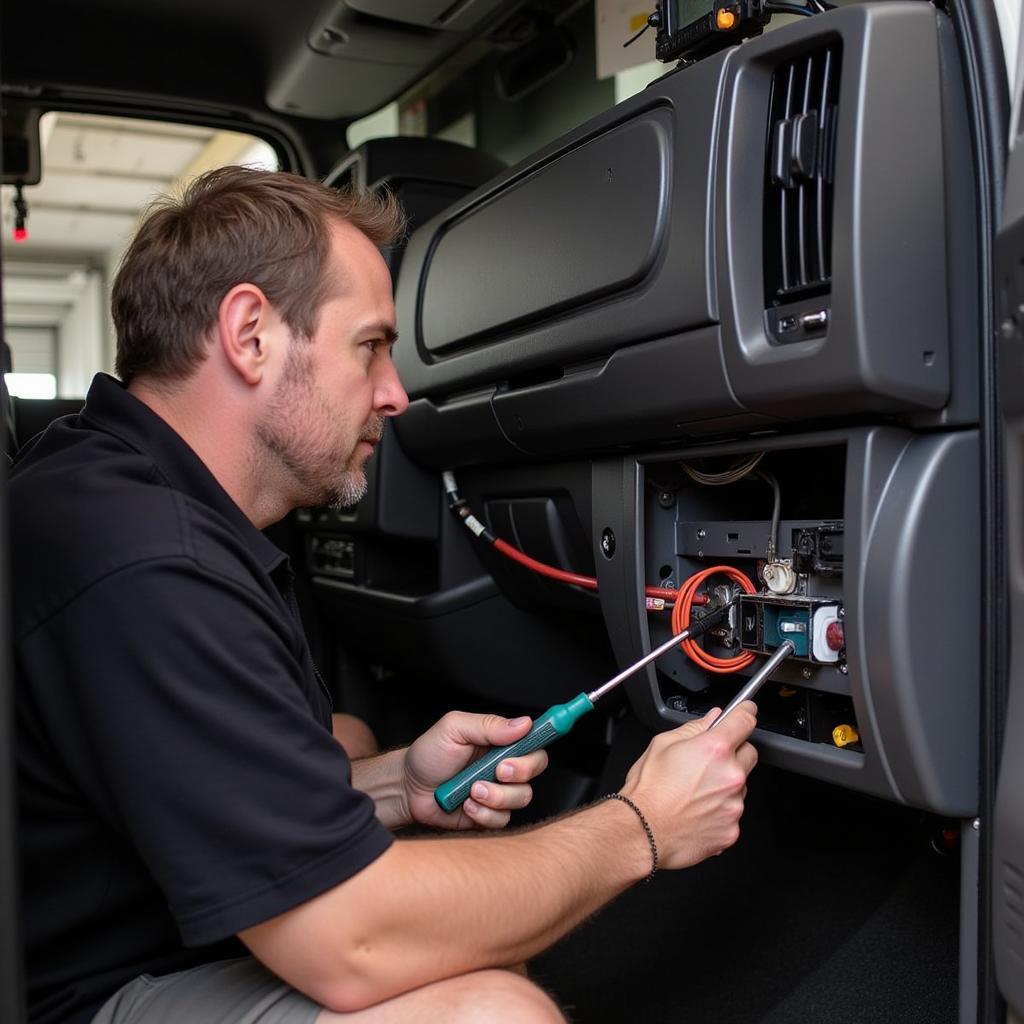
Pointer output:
x,y
379,346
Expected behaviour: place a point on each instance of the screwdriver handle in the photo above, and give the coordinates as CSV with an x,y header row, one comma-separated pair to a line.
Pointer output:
x,y
555,722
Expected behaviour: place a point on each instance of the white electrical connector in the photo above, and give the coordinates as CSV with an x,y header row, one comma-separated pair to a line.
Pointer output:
x,y
779,576
822,618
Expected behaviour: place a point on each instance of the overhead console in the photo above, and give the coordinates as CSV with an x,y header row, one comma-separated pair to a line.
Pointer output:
x,y
664,273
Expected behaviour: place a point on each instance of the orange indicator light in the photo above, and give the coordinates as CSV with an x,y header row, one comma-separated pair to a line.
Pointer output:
x,y
725,20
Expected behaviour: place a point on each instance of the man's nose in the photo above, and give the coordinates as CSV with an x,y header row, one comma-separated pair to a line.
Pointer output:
x,y
390,398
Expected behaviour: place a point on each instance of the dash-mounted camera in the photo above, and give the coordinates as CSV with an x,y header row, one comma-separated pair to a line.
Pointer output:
x,y
691,29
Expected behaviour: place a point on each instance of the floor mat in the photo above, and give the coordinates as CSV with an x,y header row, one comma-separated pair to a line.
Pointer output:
x,y
833,907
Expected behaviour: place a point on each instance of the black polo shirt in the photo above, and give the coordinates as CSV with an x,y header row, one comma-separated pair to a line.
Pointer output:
x,y
178,777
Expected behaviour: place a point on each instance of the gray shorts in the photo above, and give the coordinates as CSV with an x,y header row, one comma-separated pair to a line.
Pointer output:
x,y
238,991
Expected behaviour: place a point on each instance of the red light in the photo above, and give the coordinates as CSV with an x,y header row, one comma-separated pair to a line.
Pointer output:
x,y
834,636
21,234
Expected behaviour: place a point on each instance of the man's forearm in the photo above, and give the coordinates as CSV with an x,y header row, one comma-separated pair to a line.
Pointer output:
x,y
381,778
433,908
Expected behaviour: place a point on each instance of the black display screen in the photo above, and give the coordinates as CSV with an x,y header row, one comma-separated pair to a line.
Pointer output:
x,y
685,12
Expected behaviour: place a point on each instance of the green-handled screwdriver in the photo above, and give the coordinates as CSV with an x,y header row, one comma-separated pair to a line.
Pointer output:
x,y
556,721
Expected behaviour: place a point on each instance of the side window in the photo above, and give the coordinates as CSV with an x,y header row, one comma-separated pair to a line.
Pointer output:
x,y
98,176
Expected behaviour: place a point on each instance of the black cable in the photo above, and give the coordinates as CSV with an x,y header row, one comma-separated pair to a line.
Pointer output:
x,y
633,39
771,481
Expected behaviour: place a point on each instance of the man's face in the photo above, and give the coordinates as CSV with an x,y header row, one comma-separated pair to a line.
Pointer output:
x,y
329,406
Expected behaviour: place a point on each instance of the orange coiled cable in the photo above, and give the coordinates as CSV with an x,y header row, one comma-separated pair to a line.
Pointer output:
x,y
681,619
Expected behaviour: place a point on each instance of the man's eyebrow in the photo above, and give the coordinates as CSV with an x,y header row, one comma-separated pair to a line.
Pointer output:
x,y
383,328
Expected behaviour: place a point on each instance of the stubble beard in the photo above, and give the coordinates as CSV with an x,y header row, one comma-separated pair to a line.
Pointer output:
x,y
351,486
296,433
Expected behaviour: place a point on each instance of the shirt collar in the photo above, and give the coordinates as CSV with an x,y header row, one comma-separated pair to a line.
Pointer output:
x,y
110,407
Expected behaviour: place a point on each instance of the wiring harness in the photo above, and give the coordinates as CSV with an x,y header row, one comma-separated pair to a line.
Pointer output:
x,y
683,600
461,508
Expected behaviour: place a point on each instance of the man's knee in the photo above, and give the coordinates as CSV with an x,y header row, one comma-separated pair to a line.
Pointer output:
x,y
505,997
484,997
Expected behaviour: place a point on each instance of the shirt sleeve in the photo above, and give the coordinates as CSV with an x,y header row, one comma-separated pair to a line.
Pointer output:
x,y
174,697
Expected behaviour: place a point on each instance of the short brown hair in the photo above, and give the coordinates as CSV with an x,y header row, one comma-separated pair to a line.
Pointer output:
x,y
231,225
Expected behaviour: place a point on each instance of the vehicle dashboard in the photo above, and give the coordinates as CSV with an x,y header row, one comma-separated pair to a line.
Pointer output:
x,y
598,340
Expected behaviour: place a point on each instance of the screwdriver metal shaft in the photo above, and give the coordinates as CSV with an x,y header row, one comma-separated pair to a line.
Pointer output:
x,y
667,646
756,681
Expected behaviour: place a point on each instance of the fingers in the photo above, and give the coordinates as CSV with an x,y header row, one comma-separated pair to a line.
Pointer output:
x,y
485,817
737,727
490,803
698,725
491,806
501,798
747,757
524,768
734,730
461,728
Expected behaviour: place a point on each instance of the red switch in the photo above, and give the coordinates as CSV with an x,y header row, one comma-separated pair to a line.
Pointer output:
x,y
834,636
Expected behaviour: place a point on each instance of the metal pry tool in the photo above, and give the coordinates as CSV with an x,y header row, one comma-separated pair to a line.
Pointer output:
x,y
756,681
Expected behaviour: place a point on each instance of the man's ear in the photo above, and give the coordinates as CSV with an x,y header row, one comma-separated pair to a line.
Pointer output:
x,y
243,327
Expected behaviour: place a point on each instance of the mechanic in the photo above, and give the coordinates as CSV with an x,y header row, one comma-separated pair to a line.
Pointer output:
x,y
196,845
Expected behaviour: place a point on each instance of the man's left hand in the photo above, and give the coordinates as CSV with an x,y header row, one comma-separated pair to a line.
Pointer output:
x,y
452,744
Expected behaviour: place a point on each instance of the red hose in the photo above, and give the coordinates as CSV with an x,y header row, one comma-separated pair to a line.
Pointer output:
x,y
576,579
545,570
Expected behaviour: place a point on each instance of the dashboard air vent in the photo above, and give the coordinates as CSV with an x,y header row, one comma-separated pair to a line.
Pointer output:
x,y
798,189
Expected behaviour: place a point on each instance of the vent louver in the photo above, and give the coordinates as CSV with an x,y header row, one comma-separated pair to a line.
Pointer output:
x,y
798,191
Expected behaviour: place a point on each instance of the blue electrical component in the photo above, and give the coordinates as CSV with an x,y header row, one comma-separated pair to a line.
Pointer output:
x,y
792,624
767,620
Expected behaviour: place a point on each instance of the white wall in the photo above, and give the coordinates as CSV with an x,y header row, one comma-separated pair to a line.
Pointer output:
x,y
69,300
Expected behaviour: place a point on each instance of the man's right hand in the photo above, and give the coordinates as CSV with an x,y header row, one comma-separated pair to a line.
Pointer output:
x,y
691,783
428,909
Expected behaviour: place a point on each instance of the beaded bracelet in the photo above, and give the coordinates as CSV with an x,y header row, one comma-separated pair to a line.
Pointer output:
x,y
647,831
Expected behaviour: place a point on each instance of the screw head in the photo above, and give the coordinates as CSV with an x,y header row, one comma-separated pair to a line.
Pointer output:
x,y
607,542
806,672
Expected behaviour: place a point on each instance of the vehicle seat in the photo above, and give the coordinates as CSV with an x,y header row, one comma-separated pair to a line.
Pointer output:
x,y
10,439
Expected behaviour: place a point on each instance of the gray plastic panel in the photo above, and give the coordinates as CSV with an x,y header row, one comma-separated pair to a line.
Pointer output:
x,y
633,396
886,347
1007,867
636,395
917,621
962,244
911,590
456,433
614,188
1007,881
676,291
